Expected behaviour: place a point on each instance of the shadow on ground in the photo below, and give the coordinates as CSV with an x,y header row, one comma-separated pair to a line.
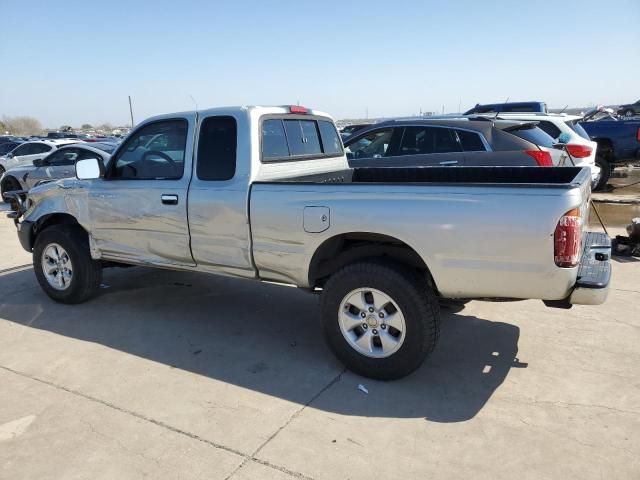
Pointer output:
x,y
266,338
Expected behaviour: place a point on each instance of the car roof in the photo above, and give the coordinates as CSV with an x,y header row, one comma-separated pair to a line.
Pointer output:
x,y
55,142
471,123
534,115
85,146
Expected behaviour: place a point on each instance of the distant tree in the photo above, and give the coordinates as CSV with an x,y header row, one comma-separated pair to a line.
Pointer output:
x,y
22,125
105,128
86,126
3,128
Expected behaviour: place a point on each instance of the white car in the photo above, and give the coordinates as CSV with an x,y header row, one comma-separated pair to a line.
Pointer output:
x,y
577,142
26,153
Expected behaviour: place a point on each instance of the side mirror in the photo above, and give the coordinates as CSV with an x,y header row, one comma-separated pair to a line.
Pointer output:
x,y
89,169
9,155
38,162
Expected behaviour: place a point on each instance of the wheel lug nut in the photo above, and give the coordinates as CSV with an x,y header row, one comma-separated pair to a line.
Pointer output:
x,y
364,325
371,309
363,314
374,331
383,326
381,315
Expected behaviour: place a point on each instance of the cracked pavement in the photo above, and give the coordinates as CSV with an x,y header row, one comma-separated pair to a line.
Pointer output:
x,y
177,375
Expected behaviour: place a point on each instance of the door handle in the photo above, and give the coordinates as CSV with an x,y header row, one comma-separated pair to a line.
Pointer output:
x,y
449,162
169,199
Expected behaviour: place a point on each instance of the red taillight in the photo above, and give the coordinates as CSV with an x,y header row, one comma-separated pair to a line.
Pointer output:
x,y
579,151
638,134
567,239
298,109
541,157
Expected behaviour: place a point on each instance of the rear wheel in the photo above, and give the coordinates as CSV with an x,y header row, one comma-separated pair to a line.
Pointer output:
x,y
605,173
63,265
380,319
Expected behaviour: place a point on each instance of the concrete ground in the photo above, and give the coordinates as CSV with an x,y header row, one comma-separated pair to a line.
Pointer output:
x,y
174,375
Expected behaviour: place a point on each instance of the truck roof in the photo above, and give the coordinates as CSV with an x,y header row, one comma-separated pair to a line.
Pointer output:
x,y
258,109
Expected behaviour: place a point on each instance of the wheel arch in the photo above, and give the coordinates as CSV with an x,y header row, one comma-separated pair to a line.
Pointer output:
x,y
50,219
345,248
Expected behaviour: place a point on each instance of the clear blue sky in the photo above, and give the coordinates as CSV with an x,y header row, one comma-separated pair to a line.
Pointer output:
x,y
75,62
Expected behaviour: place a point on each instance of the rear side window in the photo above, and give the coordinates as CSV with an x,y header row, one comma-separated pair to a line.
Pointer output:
x,y
425,140
550,129
330,139
576,127
217,149
534,135
471,142
40,148
283,138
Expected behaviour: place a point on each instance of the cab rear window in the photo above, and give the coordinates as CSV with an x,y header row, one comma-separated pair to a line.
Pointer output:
x,y
298,139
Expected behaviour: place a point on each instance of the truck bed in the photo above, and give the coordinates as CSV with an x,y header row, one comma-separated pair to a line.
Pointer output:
x,y
481,231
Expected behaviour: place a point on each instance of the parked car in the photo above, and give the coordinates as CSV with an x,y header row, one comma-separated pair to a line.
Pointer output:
x,y
618,143
379,244
61,135
10,139
565,129
630,110
27,152
58,164
508,107
470,141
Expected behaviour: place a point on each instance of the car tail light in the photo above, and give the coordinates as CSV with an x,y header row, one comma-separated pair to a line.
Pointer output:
x,y
567,239
579,151
542,158
638,134
298,109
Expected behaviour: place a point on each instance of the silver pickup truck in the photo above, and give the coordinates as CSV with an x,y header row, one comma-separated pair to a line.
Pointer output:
x,y
265,193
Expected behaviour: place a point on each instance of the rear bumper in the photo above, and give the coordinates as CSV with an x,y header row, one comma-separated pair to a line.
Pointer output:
x,y
594,271
594,274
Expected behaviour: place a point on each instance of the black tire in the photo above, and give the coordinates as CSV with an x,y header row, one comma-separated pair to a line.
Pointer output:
x,y
87,273
605,173
414,298
9,184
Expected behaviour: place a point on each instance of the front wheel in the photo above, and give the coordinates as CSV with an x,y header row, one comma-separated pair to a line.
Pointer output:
x,y
381,320
63,265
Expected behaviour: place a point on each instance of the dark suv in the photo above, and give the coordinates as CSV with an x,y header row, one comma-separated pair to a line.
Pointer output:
x,y
512,107
630,110
455,142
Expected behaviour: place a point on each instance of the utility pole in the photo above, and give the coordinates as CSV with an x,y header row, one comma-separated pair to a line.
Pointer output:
x,y
131,111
